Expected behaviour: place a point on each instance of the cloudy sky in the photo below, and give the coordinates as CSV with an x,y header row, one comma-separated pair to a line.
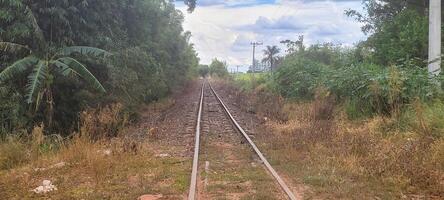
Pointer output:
x,y
225,29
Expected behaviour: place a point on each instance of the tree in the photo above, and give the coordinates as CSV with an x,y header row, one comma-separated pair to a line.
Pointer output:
x,y
294,46
45,67
204,70
218,68
397,28
191,5
270,55
381,11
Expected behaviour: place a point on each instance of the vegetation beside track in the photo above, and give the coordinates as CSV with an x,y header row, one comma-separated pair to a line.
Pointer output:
x,y
72,78
316,143
88,167
366,118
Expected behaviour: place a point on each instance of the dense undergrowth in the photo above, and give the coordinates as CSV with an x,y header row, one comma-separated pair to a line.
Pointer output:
x,y
148,56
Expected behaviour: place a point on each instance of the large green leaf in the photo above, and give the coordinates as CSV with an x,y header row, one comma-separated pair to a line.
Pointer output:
x,y
64,69
83,50
17,67
83,72
39,73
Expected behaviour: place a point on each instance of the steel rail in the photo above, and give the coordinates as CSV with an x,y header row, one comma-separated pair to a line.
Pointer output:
x,y
193,184
258,152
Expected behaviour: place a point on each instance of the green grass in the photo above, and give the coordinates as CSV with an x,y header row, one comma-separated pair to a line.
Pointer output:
x,y
248,81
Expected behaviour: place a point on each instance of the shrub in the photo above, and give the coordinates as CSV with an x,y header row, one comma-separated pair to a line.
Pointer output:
x,y
298,77
365,88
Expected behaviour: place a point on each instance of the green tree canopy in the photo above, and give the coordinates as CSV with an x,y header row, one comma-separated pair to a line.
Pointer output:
x,y
218,68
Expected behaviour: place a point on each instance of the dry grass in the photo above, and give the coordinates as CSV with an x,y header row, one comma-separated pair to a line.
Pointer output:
x,y
260,101
95,166
320,147
103,122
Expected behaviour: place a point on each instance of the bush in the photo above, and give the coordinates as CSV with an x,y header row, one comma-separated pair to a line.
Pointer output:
x,y
298,77
365,88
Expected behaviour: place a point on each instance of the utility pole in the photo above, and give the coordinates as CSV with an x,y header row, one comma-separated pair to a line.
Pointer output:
x,y
254,50
435,37
237,69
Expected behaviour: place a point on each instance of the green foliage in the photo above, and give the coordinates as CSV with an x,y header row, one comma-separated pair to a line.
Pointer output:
x,y
43,69
249,81
218,68
403,38
270,56
379,12
152,55
17,67
204,70
398,30
365,88
298,78
12,112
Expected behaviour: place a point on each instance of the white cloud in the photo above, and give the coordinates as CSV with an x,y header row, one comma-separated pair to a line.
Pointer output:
x,y
225,31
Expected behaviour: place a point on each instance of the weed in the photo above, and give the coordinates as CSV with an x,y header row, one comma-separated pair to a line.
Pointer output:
x,y
103,122
13,153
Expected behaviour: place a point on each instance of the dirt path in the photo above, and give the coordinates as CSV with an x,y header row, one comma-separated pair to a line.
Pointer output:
x,y
229,169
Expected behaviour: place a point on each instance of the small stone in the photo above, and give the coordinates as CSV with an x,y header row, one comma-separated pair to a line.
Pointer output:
x,y
38,189
46,183
162,155
46,186
58,165
107,152
150,197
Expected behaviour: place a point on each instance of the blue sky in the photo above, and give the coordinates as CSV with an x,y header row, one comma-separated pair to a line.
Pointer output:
x,y
224,29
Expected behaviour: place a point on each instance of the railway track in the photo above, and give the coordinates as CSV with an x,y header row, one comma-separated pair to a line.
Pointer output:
x,y
224,146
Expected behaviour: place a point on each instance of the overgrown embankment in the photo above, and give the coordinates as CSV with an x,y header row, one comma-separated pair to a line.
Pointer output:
x,y
107,159
73,75
346,128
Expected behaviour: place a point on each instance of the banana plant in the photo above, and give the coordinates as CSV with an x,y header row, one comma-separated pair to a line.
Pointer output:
x,y
45,67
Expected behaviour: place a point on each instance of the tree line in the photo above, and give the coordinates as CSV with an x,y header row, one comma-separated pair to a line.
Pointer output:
x,y
60,57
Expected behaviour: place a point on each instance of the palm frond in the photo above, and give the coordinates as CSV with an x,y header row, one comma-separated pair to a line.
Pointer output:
x,y
17,67
37,30
83,72
84,50
13,47
39,73
64,69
